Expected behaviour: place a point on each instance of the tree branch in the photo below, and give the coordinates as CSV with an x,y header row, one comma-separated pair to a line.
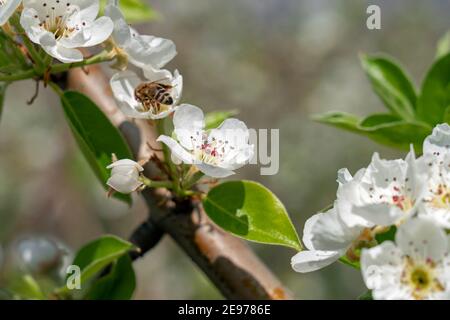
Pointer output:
x,y
228,262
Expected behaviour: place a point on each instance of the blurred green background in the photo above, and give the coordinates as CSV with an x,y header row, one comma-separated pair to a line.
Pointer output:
x,y
278,62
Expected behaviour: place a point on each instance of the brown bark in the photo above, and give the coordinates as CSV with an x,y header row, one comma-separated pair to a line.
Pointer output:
x,y
228,262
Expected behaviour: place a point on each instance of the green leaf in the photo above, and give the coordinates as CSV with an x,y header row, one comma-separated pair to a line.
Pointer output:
x,y
99,253
249,210
340,120
443,46
215,119
378,119
383,128
400,134
95,135
389,235
392,85
118,284
26,287
435,97
135,11
3,87
366,296
447,115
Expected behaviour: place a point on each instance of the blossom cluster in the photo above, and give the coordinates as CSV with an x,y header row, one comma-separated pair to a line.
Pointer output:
x,y
392,218
62,28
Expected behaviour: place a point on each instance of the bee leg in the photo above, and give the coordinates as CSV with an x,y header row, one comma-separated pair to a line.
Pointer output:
x,y
156,106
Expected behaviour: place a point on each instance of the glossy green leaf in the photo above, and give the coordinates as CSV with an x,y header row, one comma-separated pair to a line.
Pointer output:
x,y
443,46
382,128
341,120
378,119
400,134
215,118
251,211
118,284
96,135
99,253
135,11
435,96
392,85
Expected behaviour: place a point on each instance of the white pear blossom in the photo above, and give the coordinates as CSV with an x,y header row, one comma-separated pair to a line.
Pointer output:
x,y
125,176
416,267
7,8
384,194
124,85
216,153
141,50
438,143
61,27
327,238
436,198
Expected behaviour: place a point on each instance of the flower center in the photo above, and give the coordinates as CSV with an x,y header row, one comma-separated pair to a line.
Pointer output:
x,y
59,19
403,202
208,149
441,197
420,278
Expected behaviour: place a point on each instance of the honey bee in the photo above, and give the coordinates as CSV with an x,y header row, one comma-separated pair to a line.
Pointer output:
x,y
154,95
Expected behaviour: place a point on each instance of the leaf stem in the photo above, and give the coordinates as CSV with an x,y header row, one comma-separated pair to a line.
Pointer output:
x,y
28,74
156,184
167,158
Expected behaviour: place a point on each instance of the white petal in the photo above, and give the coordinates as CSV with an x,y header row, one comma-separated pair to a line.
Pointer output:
x,y
31,25
438,143
308,261
7,10
234,131
63,54
440,216
122,31
123,183
381,268
126,163
188,120
327,232
90,35
347,195
422,239
150,51
344,176
214,171
99,31
381,214
177,149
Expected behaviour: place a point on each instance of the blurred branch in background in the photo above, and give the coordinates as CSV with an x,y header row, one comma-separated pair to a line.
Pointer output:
x,y
227,261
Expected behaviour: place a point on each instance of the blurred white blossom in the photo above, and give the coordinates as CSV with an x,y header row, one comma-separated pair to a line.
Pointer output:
x,y
61,27
7,8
